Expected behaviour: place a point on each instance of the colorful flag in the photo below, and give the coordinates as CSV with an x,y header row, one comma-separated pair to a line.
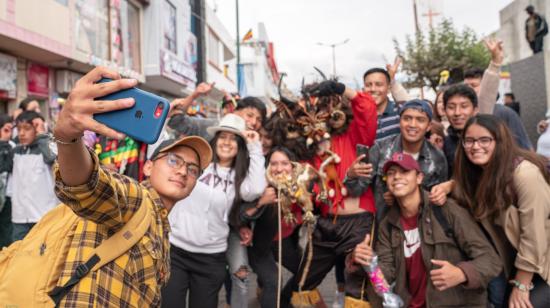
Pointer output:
x,y
247,36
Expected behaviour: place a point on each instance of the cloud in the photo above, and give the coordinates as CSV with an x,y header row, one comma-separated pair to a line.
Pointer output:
x,y
295,27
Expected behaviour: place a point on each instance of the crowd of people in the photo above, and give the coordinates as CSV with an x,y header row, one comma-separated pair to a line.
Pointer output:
x,y
450,200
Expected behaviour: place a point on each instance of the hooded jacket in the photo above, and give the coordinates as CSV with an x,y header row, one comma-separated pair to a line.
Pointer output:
x,y
31,181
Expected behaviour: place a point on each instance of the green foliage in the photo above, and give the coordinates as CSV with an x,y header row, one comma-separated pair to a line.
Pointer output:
x,y
442,48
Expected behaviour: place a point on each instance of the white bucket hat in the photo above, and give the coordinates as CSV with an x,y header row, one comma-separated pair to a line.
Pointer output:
x,y
230,123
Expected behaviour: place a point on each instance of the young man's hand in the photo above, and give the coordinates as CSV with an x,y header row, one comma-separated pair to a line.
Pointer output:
x,y
542,126
252,136
447,276
362,254
389,199
439,192
5,132
496,50
359,168
39,126
269,197
245,234
77,114
392,69
203,88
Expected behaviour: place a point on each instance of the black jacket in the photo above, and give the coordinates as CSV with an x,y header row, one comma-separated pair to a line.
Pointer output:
x,y
6,157
541,25
265,225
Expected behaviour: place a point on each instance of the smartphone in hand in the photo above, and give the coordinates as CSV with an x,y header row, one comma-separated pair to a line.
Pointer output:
x,y
143,121
362,149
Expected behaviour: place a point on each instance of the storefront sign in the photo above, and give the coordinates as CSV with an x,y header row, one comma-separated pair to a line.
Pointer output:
x,y
38,80
8,76
177,70
126,72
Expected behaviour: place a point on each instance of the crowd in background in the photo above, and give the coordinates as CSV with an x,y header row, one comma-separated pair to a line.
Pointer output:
x,y
462,157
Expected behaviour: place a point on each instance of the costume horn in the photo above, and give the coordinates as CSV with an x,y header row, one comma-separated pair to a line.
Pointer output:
x,y
321,73
283,98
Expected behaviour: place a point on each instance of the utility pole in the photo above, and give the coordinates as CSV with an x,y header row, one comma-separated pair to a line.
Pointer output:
x,y
333,46
416,27
238,49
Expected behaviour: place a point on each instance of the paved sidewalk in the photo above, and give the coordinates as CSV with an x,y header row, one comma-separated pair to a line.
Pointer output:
x,y
327,289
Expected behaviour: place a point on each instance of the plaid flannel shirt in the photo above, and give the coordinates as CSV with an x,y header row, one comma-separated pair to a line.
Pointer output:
x,y
106,203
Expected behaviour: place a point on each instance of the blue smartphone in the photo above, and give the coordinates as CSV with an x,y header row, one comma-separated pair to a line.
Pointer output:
x,y
144,121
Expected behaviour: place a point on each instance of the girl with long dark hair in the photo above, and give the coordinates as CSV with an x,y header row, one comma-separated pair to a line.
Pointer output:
x,y
507,190
263,252
201,223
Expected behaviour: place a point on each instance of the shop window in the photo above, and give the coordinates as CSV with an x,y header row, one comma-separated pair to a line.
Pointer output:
x,y
213,49
92,27
134,39
170,32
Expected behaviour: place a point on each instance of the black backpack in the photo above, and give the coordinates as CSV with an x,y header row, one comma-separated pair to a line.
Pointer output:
x,y
444,223
544,26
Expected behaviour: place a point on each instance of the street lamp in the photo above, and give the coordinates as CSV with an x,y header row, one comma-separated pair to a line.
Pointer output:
x,y
333,46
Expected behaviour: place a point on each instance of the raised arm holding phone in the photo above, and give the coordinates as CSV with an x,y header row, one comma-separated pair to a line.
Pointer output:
x,y
108,252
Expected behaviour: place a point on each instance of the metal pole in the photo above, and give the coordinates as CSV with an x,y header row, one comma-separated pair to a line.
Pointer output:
x,y
334,61
238,49
333,46
416,27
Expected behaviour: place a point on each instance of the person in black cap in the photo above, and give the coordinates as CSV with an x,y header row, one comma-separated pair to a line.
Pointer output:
x,y
415,121
535,29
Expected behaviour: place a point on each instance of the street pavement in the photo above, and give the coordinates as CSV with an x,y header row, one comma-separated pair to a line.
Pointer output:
x,y
327,289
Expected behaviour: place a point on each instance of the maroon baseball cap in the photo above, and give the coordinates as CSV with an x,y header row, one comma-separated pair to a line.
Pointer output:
x,y
402,160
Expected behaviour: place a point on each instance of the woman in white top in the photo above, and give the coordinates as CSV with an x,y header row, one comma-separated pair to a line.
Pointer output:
x,y
200,223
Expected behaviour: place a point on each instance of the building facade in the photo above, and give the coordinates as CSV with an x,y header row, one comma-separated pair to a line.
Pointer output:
x,y
526,75
512,28
260,76
46,45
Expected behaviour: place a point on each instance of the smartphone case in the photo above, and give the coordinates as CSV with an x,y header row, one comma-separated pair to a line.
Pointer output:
x,y
139,122
363,149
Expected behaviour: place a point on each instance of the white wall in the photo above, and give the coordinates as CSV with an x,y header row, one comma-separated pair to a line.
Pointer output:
x,y
225,44
512,28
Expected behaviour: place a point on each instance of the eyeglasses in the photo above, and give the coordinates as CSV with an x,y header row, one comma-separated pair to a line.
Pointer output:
x,y
483,142
177,163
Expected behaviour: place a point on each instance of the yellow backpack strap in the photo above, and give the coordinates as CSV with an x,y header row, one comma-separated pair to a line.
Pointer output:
x,y
124,239
108,250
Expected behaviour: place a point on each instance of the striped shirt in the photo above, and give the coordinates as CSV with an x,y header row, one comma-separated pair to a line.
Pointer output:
x,y
388,122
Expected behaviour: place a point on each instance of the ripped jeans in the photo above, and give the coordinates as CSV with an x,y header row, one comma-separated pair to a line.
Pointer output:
x,y
239,270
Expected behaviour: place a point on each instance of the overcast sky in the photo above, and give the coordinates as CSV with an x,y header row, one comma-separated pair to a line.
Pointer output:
x,y
296,26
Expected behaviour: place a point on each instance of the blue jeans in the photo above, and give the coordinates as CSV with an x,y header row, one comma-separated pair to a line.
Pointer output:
x,y
237,259
540,295
497,291
19,231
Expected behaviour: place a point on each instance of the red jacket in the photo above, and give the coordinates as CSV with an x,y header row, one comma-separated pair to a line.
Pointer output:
x,y
362,130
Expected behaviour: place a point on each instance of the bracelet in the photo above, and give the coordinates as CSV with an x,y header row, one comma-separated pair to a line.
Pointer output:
x,y
520,286
70,142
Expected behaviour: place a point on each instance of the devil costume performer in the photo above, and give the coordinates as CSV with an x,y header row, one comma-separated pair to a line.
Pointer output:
x,y
324,129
